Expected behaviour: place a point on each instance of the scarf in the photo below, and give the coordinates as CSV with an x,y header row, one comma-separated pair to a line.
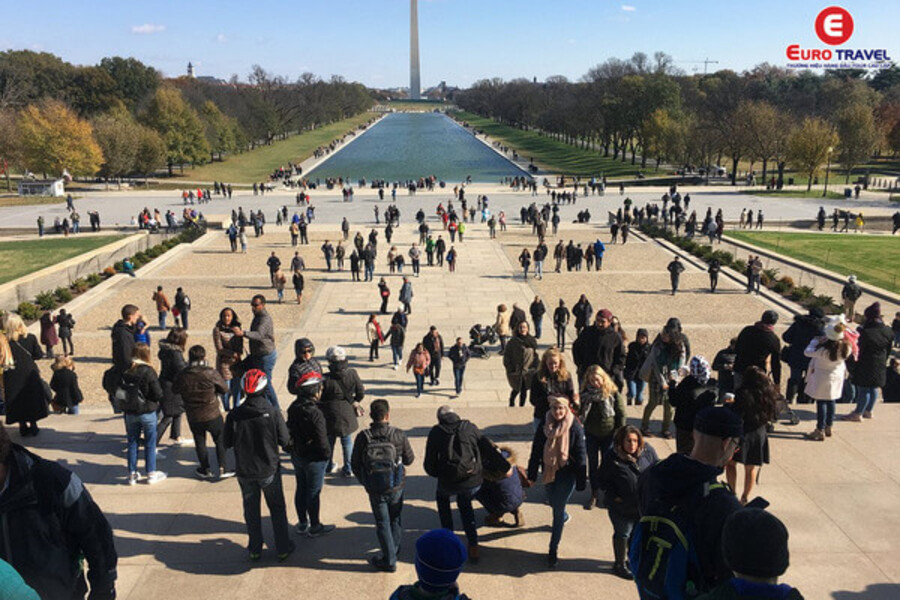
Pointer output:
x,y
556,448
378,331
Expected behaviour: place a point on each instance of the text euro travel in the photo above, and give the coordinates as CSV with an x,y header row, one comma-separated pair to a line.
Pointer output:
x,y
795,52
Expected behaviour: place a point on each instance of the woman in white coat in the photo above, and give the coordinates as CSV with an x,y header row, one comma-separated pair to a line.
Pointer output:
x,y
826,373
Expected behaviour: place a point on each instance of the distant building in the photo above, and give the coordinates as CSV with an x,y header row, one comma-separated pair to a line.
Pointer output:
x,y
190,72
42,187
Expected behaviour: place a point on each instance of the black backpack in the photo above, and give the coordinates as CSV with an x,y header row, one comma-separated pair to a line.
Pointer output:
x,y
129,397
461,458
381,464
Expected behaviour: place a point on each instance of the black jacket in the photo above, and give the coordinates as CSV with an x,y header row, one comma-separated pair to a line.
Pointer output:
x,y
690,397
48,522
561,316
199,387
582,311
23,387
64,384
144,376
618,479
602,347
517,316
301,366
801,332
309,436
439,438
381,431
396,335
577,455
870,369
171,363
434,346
754,346
255,430
635,358
679,480
542,390
122,345
537,310
340,389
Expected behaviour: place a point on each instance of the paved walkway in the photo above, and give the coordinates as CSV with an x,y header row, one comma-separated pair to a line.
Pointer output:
x,y
185,538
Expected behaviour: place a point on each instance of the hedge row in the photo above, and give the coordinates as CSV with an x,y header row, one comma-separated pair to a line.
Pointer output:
x,y
50,299
784,285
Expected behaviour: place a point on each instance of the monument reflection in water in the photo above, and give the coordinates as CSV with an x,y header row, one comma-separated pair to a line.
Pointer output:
x,y
412,145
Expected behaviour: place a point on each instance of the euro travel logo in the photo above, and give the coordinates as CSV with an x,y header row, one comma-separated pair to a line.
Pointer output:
x,y
834,26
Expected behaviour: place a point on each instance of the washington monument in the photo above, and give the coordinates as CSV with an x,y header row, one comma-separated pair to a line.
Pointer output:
x,y
415,86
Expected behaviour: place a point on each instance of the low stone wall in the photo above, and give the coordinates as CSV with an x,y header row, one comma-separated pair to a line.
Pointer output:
x,y
63,274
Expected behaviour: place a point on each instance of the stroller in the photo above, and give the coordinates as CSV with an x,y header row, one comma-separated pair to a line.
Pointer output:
x,y
481,336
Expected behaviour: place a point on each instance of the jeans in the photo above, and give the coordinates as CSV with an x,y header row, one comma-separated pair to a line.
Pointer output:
x,y
558,493
622,525
561,337
216,428
458,373
266,362
310,476
135,425
67,346
539,269
434,369
397,354
636,390
466,512
387,508
162,318
824,414
373,349
596,448
231,398
415,267
420,383
865,399
184,318
538,322
271,489
346,449
795,385
369,272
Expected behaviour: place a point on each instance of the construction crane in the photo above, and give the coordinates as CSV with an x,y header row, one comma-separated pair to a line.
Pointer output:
x,y
706,62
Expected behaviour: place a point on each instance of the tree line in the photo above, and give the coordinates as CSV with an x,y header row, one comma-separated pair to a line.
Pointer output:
x,y
649,110
121,117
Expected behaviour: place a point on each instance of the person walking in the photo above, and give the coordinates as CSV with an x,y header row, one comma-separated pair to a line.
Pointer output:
x,y
280,280
560,322
802,331
66,324
660,369
374,335
328,253
870,370
520,361
602,412
162,305
256,432
419,361
638,351
525,261
298,282
582,311
459,355
199,386
384,292
675,269
396,335
171,361
406,295
715,267
620,471
440,558
551,379
183,306
342,395
826,373
415,257
434,344
692,394
452,256
309,451
229,349
850,293
501,326
558,451
381,455
453,457
263,353
139,395
758,346
537,310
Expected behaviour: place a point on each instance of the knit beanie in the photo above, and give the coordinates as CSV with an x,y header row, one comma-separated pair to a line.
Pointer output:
x,y
873,311
719,421
834,328
700,369
755,543
440,557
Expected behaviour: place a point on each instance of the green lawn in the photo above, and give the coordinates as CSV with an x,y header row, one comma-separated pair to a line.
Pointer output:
x,y
14,200
813,193
23,257
257,164
873,259
551,154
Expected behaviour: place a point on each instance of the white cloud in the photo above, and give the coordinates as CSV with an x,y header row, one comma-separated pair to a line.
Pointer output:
x,y
221,38
147,28
628,8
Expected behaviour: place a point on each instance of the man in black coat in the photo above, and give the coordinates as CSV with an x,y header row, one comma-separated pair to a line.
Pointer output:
x,y
675,269
869,372
434,343
517,316
599,344
757,344
342,393
560,322
802,331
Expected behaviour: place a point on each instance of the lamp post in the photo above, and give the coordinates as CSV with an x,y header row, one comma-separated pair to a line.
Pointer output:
x,y
827,171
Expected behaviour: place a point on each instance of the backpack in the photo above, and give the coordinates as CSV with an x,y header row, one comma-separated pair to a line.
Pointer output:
x,y
461,458
381,465
129,397
663,553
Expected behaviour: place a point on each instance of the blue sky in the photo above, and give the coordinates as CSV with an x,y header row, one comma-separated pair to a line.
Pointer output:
x,y
460,40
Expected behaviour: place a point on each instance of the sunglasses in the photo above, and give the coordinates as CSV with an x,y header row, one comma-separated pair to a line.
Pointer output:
x,y
306,352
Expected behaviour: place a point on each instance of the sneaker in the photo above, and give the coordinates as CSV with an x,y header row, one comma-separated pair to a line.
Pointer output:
x,y
816,435
255,556
566,517
223,474
133,477
183,442
156,477
379,564
646,433
203,473
666,435
866,415
828,431
855,417
333,469
302,528
319,530
346,473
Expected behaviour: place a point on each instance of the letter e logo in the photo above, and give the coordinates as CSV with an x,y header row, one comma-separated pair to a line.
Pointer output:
x,y
834,25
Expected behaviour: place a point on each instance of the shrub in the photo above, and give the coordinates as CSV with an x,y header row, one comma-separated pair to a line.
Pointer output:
x,y
801,292
781,287
28,311
110,271
822,301
139,257
46,300
63,295
155,251
118,267
786,280
80,285
725,257
739,265
772,274
764,279
93,279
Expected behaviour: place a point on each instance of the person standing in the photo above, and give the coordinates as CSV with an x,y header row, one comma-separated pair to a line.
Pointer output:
x,y
675,269
183,306
328,253
440,558
802,331
870,371
537,310
342,393
122,337
162,305
560,322
434,344
229,349
406,295
415,257
459,355
827,370
692,394
381,455
274,264
62,540
171,360
384,292
756,346
453,457
23,388
199,386
638,351
67,394
582,311
139,395
309,451
600,344
850,293
667,356
255,431
66,324
520,361
501,326
374,335
263,354
558,450
49,338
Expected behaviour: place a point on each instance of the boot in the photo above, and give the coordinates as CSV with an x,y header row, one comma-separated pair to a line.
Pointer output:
x,y
620,550
493,520
828,431
591,501
816,435
520,517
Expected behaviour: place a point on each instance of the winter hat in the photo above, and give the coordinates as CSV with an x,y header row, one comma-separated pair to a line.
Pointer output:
x,y
755,543
873,311
440,557
834,328
605,313
852,279
720,422
642,332
336,354
770,317
700,369
816,313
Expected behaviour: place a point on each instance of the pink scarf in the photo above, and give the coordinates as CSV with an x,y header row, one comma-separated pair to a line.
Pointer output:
x,y
556,449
